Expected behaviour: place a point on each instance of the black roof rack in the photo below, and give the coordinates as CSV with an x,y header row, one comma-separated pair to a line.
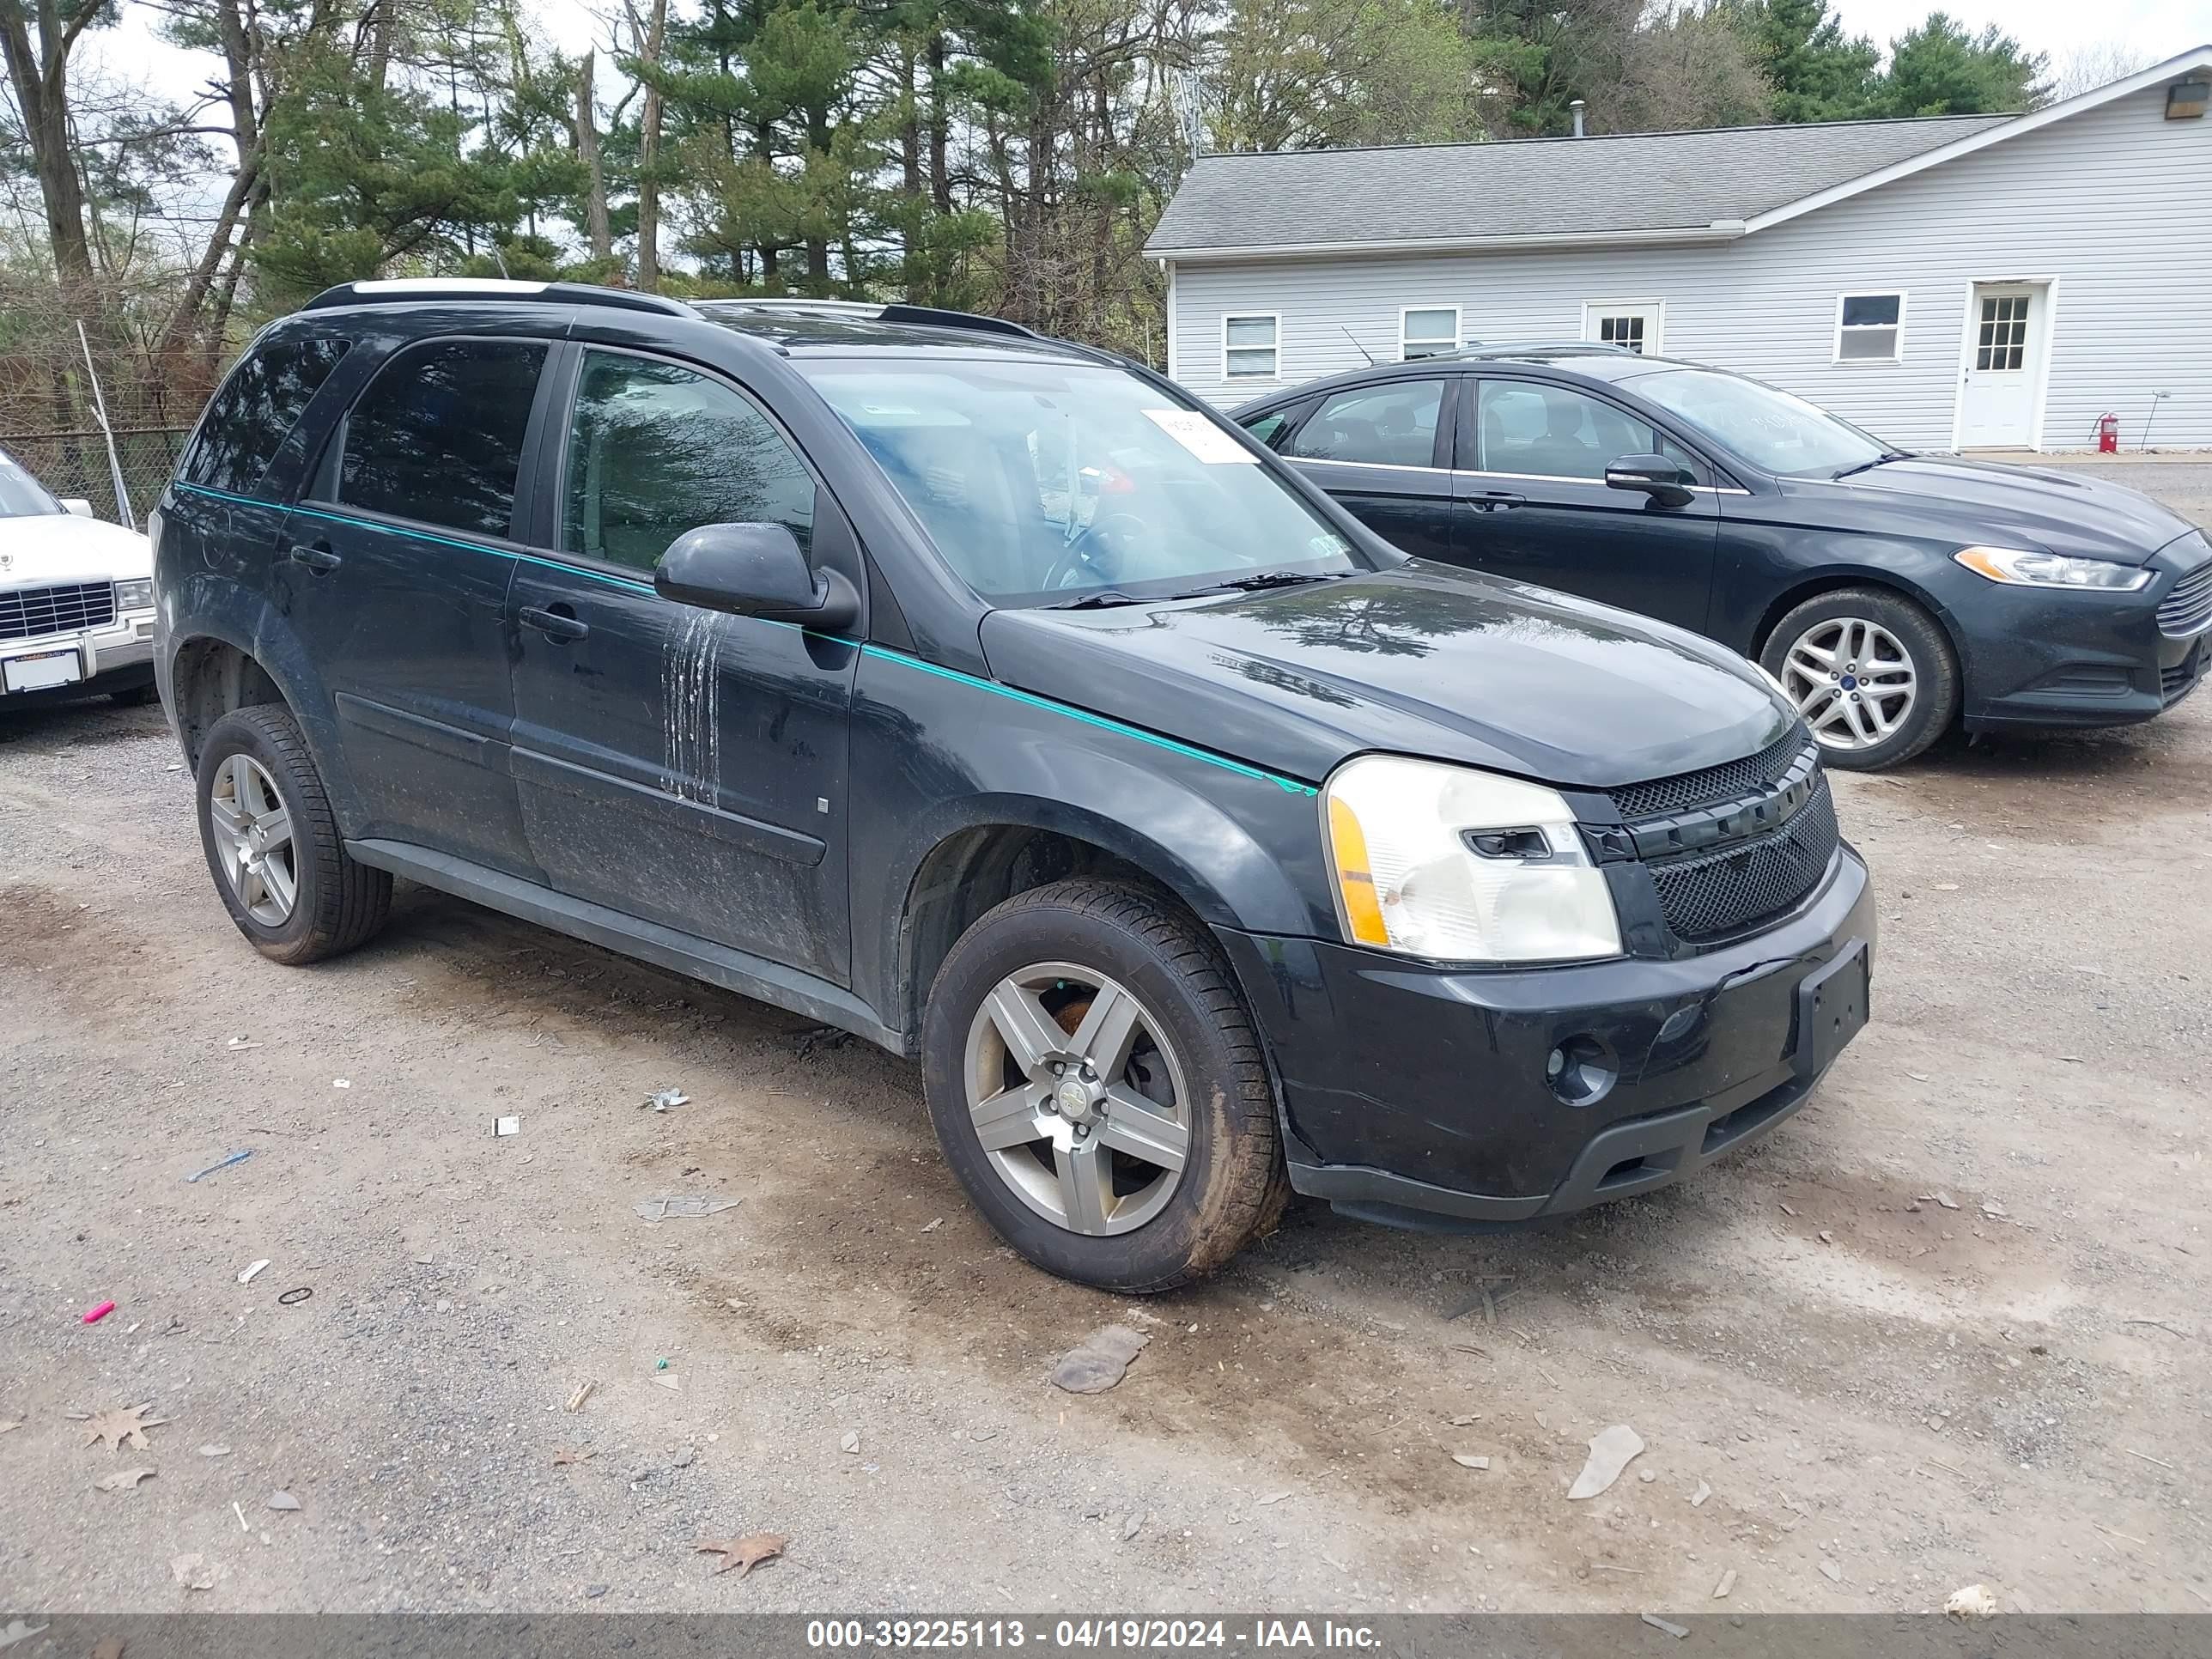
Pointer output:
x,y
938,317
1539,349
493,288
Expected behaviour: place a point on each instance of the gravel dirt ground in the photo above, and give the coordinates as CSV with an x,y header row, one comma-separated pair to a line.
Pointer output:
x,y
1946,1326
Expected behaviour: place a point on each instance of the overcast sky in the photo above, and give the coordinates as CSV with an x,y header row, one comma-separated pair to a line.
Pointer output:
x,y
2153,29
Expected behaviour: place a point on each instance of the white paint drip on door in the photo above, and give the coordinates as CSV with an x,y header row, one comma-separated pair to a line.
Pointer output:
x,y
690,685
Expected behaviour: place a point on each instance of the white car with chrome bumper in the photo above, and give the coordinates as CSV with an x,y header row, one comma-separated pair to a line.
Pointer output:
x,y
77,599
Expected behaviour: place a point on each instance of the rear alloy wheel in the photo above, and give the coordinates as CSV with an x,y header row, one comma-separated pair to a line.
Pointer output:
x,y
272,842
1099,1089
1871,674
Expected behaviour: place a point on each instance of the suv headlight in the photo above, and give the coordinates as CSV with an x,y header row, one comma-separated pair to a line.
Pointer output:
x,y
135,595
1460,865
2017,569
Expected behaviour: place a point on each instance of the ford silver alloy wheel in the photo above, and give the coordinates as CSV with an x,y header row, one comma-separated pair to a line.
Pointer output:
x,y
1079,1101
253,835
1852,681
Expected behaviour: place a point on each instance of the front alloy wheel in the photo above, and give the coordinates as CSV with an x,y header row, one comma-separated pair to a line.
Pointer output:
x,y
1096,1082
1852,680
1079,1102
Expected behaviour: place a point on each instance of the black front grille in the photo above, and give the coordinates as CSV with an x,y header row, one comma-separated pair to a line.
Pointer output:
x,y
2179,681
2189,607
1707,896
27,612
1750,776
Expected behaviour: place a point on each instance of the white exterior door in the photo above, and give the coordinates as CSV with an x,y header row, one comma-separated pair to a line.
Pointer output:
x,y
2002,370
1632,324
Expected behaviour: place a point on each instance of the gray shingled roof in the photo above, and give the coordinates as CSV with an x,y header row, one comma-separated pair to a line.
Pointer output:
x,y
1531,186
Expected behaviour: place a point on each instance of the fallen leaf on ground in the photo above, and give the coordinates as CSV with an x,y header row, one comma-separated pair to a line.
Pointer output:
x,y
661,1099
1698,1496
1727,1583
108,1647
124,1424
1465,1418
215,1451
932,1226
1470,1461
283,1500
567,1455
195,1571
1678,1631
5,1426
1099,1361
122,1480
744,1553
19,1630
851,1443
1610,1450
1833,1573
1974,1601
1132,1527
583,1393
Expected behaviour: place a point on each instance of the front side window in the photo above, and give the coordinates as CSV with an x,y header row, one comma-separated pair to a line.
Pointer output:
x,y
21,495
1768,427
1425,332
437,436
1270,428
1249,347
1869,328
248,420
1392,425
656,450
1044,480
1552,432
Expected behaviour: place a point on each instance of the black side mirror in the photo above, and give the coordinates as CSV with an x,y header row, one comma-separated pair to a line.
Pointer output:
x,y
754,571
1664,480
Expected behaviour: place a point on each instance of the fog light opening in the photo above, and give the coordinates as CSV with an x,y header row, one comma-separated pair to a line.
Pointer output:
x,y
1581,1071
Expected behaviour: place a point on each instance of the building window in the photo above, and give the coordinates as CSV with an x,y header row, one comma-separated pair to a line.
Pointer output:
x,y
1624,325
2002,345
1869,328
1427,330
1249,349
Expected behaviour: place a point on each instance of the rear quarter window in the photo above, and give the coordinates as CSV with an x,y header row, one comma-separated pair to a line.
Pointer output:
x,y
255,409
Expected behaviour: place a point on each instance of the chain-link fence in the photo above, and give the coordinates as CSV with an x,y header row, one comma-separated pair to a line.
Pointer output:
x,y
77,464
74,376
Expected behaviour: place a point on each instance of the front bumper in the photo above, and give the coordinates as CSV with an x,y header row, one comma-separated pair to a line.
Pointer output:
x,y
2037,660
1423,1096
110,658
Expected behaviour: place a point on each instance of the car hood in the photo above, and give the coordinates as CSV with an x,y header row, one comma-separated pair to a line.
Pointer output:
x,y
2037,507
1422,659
61,547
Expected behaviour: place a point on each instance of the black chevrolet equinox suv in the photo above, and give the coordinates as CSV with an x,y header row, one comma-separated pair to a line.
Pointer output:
x,y
990,697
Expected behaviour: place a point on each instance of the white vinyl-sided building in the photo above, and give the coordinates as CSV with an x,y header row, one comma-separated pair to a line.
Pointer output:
x,y
1955,282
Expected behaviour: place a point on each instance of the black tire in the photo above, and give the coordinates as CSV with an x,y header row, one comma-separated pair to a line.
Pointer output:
x,y
1233,1185
338,905
1935,669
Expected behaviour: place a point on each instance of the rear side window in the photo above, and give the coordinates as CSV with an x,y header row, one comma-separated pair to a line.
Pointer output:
x,y
1390,425
256,408
437,436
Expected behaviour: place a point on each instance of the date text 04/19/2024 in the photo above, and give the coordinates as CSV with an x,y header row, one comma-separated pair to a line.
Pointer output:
x,y
1087,1635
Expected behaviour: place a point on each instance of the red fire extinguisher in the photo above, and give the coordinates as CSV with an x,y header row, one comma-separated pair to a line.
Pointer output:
x,y
2108,434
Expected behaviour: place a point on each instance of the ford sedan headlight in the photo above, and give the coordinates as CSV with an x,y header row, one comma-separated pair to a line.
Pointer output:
x,y
135,595
1455,865
2017,569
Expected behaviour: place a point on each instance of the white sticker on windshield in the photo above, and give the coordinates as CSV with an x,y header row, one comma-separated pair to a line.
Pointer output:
x,y
1200,435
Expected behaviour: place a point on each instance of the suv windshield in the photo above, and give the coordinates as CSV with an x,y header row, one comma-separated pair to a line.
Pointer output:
x,y
1045,483
21,495
1767,428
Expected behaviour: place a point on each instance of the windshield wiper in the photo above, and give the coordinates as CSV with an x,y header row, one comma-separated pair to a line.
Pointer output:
x,y
1260,579
1864,467
1099,598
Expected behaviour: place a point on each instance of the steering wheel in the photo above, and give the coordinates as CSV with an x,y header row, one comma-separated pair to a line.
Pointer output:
x,y
1078,554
